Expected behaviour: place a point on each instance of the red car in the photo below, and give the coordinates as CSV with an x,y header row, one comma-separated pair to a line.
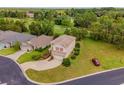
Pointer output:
x,y
96,62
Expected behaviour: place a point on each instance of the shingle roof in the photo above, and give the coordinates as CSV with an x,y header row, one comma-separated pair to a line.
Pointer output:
x,y
41,41
64,40
10,36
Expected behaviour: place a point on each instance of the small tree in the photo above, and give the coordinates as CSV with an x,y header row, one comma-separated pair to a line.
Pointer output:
x,y
66,62
73,57
16,46
77,45
76,53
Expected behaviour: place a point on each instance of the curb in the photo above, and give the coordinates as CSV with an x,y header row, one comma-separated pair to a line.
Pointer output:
x,y
55,83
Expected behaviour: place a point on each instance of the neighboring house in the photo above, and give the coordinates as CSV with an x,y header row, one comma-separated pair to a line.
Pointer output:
x,y
37,42
30,14
62,46
8,38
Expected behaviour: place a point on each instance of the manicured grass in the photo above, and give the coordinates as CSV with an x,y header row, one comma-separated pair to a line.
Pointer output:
x,y
28,56
59,30
7,51
109,56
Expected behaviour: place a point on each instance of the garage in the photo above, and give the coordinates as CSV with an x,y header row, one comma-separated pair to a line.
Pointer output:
x,y
1,46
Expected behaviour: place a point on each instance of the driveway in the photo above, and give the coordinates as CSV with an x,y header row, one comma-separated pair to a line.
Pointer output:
x,y
16,55
41,65
11,74
115,77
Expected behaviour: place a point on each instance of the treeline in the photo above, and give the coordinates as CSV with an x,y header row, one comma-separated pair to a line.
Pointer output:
x,y
7,24
34,28
13,14
109,28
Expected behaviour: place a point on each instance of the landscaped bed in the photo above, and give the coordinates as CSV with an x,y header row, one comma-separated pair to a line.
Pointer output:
x,y
108,55
29,56
7,51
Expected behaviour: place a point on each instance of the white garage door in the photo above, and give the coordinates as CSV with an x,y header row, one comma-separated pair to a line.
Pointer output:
x,y
1,46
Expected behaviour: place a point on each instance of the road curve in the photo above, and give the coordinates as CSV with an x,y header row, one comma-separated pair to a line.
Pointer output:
x,y
11,74
115,77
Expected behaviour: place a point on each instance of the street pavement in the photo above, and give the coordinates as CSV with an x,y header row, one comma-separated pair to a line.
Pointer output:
x,y
115,77
11,74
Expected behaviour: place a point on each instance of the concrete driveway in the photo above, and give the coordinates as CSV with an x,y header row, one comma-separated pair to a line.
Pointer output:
x,y
41,65
11,74
16,55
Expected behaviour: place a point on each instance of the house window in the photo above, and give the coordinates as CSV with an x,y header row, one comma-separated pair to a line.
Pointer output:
x,y
61,49
57,48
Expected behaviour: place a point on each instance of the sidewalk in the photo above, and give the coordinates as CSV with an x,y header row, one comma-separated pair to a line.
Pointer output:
x,y
16,55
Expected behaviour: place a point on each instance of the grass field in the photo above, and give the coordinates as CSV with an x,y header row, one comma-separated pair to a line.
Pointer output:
x,y
109,56
7,51
28,56
59,30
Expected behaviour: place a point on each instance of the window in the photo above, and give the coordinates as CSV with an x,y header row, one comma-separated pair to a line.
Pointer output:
x,y
57,48
61,49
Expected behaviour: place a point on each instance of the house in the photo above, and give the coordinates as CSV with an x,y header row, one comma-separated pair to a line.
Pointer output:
x,y
62,46
30,14
37,42
8,38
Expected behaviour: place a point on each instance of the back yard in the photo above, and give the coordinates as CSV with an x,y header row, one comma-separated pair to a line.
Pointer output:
x,y
109,56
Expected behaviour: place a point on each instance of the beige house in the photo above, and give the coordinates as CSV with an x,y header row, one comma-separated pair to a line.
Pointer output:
x,y
62,46
37,42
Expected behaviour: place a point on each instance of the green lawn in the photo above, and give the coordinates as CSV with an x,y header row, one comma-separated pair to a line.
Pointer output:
x,y
109,56
7,51
28,56
59,30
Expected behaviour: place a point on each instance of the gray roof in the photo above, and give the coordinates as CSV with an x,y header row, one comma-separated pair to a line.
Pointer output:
x,y
10,36
40,41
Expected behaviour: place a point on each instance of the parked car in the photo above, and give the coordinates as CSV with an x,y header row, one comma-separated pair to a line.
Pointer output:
x,y
96,62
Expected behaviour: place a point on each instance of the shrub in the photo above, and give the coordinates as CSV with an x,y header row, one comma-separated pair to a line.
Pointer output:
x,y
77,45
76,49
16,45
66,62
73,57
39,49
76,53
36,57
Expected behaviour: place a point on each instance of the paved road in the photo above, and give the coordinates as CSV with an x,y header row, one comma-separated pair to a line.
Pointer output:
x,y
11,74
107,78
